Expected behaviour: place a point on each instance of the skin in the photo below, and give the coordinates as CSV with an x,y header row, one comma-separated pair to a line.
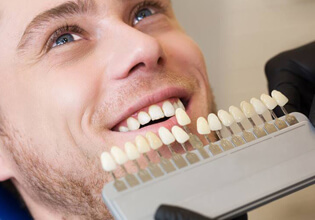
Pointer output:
x,y
58,107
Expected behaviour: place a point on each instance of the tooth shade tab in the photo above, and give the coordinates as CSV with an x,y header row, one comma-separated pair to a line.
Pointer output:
x,y
203,126
268,101
279,97
182,117
108,163
180,135
133,124
143,118
181,105
248,109
168,109
154,141
166,136
214,123
237,114
142,144
259,107
155,112
123,129
226,118
119,156
131,151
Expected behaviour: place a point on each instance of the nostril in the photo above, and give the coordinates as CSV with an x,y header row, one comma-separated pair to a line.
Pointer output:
x,y
139,65
160,61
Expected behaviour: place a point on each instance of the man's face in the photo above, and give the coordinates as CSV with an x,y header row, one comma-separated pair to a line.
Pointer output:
x,y
70,79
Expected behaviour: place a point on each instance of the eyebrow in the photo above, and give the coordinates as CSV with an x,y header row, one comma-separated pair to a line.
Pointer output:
x,y
65,10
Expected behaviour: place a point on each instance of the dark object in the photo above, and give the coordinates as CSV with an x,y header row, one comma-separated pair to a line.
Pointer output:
x,y
166,212
11,208
293,73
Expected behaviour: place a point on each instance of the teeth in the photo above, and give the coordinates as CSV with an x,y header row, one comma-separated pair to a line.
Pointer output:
x,y
131,151
268,101
108,162
237,114
259,107
182,117
119,156
155,112
226,118
143,118
142,144
123,129
214,122
154,141
175,105
166,136
279,97
133,124
203,126
248,109
180,135
181,105
168,109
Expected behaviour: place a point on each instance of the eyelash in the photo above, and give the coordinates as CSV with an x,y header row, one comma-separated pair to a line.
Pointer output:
x,y
75,29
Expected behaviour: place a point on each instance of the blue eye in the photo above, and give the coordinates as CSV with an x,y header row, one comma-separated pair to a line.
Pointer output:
x,y
64,39
143,13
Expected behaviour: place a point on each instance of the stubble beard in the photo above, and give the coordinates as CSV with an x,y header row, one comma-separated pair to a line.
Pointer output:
x,y
72,194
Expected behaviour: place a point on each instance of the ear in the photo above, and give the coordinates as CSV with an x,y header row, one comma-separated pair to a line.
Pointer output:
x,y
5,172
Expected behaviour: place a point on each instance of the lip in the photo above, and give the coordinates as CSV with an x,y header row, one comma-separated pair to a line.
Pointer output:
x,y
155,97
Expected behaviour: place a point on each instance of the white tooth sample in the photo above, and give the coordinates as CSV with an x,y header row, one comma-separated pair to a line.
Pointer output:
x,y
168,109
123,129
108,162
142,144
143,118
203,126
268,101
155,112
180,104
133,124
182,117
226,118
247,109
237,114
166,136
259,107
119,156
154,141
214,123
131,151
180,135
279,97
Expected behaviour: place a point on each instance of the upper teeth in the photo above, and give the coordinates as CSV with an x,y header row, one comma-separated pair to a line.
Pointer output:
x,y
155,112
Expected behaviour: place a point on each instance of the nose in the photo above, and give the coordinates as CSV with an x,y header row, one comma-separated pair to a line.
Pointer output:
x,y
133,51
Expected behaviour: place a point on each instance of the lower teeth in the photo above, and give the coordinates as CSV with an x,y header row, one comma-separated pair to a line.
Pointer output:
x,y
154,122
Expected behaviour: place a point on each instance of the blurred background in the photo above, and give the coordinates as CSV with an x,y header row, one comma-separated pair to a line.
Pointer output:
x,y
237,37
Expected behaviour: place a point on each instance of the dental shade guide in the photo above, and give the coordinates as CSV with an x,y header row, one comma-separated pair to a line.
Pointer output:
x,y
155,144
271,104
282,100
204,129
182,137
227,120
168,138
216,126
184,120
144,147
260,109
227,181
239,116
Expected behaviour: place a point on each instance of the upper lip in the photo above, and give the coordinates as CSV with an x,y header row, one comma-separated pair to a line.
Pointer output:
x,y
151,99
